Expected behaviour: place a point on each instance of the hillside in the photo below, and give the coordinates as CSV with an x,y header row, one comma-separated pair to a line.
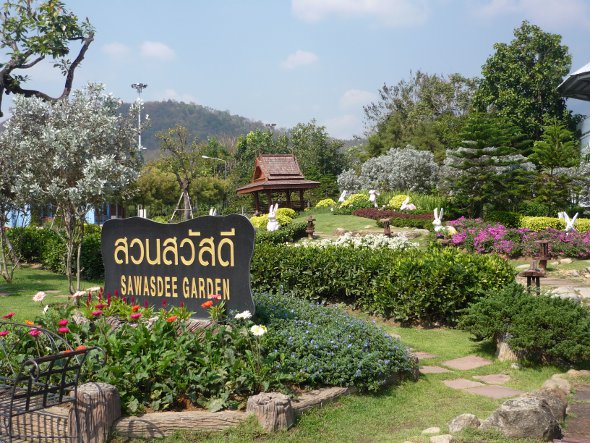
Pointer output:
x,y
202,122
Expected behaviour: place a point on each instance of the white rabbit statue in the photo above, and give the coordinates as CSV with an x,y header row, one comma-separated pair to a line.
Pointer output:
x,y
213,211
342,196
569,224
438,227
373,197
272,224
407,206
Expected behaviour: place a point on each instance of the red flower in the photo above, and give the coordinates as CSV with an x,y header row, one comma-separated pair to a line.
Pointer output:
x,y
9,315
172,318
135,316
207,304
96,313
3,333
34,332
135,308
100,306
63,322
63,330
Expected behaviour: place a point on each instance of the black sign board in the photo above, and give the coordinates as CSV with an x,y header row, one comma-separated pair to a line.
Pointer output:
x,y
181,263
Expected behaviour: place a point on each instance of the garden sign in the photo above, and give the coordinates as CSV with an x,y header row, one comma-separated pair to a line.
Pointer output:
x,y
181,263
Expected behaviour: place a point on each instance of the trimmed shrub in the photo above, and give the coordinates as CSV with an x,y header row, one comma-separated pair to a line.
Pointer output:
x,y
260,221
506,218
322,345
352,203
410,286
326,203
540,328
91,265
30,242
286,234
540,223
396,201
287,212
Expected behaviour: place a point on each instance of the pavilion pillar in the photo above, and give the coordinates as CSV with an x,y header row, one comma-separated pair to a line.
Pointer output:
x,y
269,195
301,199
257,202
288,191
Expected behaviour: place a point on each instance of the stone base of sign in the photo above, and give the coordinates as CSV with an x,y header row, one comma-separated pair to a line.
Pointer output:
x,y
273,411
161,424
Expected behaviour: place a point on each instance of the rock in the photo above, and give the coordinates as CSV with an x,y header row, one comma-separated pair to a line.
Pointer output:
x,y
555,398
578,373
463,421
504,352
339,232
415,233
557,382
525,416
445,438
273,410
433,430
565,261
515,366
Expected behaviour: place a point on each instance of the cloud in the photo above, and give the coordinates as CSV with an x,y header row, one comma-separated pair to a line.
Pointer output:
x,y
389,12
551,13
171,94
355,98
157,50
116,50
299,58
344,126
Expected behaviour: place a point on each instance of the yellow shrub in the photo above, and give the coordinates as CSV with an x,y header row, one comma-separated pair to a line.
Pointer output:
x,y
288,212
353,198
325,203
260,221
396,201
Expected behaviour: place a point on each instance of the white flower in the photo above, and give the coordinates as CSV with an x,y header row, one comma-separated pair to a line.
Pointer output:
x,y
243,315
39,296
258,330
78,294
94,289
45,309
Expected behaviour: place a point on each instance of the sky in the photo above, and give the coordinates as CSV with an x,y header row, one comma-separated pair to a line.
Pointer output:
x,y
286,62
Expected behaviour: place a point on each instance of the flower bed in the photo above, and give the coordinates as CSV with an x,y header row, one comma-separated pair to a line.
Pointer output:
x,y
480,237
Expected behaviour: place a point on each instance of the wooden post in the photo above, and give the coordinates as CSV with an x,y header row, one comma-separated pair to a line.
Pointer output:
x,y
273,410
257,201
301,199
99,406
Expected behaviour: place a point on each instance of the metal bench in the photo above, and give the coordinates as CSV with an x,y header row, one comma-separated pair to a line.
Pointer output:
x,y
38,371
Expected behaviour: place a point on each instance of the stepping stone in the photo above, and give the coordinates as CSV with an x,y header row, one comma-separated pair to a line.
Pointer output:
x,y
433,370
467,363
462,383
424,355
494,391
493,379
433,430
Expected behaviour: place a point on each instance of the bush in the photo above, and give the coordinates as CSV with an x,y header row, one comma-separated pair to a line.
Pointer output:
x,y
287,212
30,242
540,223
285,234
352,203
533,208
396,201
326,203
506,218
91,264
260,221
410,286
324,346
539,328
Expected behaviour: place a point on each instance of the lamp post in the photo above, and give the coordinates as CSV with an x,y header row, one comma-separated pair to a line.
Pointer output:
x,y
139,87
218,159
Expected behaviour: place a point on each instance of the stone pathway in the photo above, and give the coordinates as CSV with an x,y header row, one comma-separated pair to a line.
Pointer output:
x,y
577,423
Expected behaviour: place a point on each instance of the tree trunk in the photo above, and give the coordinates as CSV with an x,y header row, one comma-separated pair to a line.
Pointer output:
x,y
187,204
273,410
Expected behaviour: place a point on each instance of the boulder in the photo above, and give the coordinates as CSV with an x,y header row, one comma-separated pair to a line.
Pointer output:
x,y
432,430
463,421
445,438
557,382
556,400
526,416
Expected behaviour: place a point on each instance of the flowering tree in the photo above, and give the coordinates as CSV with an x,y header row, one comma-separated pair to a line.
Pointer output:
x,y
400,169
75,154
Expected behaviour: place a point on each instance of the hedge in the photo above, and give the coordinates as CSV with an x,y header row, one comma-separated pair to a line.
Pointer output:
x,y
541,223
413,286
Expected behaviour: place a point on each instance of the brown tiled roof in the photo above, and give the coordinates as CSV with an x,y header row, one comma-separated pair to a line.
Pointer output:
x,y
277,172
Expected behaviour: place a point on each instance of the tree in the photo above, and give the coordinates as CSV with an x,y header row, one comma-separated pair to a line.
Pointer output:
x,y
30,31
74,154
426,112
520,80
486,169
552,154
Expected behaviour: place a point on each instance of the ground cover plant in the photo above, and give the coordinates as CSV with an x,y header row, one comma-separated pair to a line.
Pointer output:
x,y
156,363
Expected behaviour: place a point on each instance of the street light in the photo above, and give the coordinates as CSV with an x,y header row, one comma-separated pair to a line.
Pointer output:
x,y
139,87
218,159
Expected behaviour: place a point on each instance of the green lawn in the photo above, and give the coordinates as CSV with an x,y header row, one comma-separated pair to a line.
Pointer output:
x,y
17,296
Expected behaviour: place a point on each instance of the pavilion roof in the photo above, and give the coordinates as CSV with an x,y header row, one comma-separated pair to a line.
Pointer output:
x,y
277,172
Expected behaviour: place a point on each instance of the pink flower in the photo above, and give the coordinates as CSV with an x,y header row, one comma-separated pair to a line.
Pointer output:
x,y
215,296
101,306
39,296
63,330
96,313
135,316
3,333
78,294
34,332
63,322
9,315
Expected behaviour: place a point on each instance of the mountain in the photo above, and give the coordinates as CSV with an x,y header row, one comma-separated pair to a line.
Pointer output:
x,y
202,122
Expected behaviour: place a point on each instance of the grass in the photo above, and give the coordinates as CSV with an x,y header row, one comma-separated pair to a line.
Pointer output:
x,y
327,223
17,296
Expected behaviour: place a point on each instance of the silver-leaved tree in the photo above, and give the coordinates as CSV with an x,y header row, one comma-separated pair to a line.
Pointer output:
x,y
74,154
